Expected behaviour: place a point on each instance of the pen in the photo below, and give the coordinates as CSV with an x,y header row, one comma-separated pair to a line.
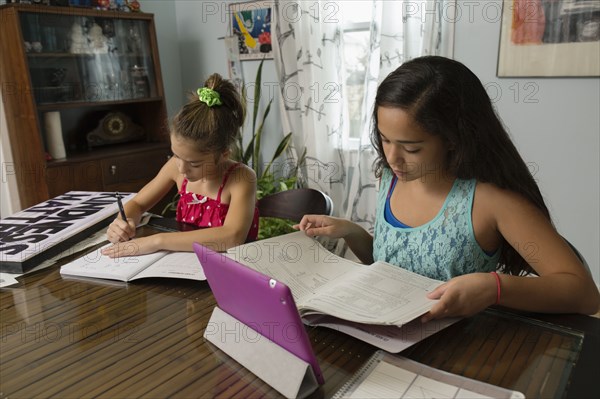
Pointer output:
x,y
121,209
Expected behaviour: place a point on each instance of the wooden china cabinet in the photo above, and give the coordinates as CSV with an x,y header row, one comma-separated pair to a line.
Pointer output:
x,y
98,74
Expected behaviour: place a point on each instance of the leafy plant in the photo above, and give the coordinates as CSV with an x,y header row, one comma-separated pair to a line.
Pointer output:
x,y
271,227
250,154
268,182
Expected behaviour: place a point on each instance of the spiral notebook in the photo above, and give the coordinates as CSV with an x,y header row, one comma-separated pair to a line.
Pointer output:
x,y
390,376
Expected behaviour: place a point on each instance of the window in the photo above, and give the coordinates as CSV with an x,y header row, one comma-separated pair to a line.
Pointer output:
x,y
357,16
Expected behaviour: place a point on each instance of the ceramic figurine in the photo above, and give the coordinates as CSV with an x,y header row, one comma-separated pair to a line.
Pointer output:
x,y
103,4
79,43
97,40
37,47
134,5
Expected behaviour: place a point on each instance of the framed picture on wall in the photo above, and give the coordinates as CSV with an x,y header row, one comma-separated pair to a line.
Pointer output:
x,y
251,24
545,38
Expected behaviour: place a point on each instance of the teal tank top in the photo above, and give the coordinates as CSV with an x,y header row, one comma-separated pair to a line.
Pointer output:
x,y
444,247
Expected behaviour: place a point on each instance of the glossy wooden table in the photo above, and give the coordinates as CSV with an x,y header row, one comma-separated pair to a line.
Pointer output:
x,y
76,339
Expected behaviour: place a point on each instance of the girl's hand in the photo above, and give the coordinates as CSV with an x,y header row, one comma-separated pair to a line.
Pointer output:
x,y
462,296
358,239
321,225
139,246
120,231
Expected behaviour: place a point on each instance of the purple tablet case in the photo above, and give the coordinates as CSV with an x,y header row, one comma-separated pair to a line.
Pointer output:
x,y
263,304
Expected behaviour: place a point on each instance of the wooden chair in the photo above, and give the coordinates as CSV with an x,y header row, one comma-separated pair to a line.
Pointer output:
x,y
295,203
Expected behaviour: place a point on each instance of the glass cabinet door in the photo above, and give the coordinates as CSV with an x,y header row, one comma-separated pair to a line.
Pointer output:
x,y
88,59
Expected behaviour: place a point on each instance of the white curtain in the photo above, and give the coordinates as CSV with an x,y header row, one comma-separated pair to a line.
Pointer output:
x,y
308,51
308,59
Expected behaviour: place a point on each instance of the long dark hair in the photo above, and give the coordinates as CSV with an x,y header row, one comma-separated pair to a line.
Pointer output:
x,y
447,100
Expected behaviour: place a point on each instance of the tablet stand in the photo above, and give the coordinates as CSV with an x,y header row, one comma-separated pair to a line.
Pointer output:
x,y
261,356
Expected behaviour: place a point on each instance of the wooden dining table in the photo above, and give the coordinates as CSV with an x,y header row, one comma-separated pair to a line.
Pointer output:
x,y
74,338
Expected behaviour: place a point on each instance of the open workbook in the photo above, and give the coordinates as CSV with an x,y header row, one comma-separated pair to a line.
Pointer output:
x,y
378,303
159,264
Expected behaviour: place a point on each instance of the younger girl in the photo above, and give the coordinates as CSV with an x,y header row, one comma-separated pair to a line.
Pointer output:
x,y
456,201
216,191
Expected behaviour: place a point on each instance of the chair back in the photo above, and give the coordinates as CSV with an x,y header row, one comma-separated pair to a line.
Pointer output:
x,y
295,203
579,255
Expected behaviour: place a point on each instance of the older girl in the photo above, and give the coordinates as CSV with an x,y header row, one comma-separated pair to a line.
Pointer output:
x,y
457,202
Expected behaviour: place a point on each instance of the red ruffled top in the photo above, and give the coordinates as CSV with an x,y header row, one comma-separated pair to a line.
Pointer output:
x,y
203,211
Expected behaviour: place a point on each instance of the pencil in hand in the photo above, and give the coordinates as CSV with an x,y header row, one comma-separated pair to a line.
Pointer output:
x,y
120,204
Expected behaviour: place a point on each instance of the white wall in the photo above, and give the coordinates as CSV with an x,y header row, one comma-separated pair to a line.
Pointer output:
x,y
165,22
199,25
9,196
554,122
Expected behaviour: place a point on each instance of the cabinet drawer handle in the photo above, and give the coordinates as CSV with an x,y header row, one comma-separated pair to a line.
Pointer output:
x,y
113,169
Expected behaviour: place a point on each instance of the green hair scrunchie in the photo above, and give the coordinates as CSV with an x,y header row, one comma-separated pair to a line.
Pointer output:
x,y
209,97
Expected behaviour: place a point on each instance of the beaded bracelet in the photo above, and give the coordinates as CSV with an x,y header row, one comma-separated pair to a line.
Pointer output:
x,y
498,287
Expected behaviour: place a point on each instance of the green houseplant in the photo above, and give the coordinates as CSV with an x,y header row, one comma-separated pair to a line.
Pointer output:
x,y
268,181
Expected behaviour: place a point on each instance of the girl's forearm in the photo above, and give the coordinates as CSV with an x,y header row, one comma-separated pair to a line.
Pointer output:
x,y
134,211
558,293
217,238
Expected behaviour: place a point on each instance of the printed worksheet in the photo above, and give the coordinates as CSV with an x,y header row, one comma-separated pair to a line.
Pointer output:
x,y
298,261
324,283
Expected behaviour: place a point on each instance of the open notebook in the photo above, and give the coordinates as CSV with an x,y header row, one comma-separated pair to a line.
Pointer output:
x,y
391,376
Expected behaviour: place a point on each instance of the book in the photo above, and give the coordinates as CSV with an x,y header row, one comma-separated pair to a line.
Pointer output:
x,y
8,279
378,303
391,376
159,264
42,231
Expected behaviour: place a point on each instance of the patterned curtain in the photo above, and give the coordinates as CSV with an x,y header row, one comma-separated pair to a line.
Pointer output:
x,y
308,51
308,59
